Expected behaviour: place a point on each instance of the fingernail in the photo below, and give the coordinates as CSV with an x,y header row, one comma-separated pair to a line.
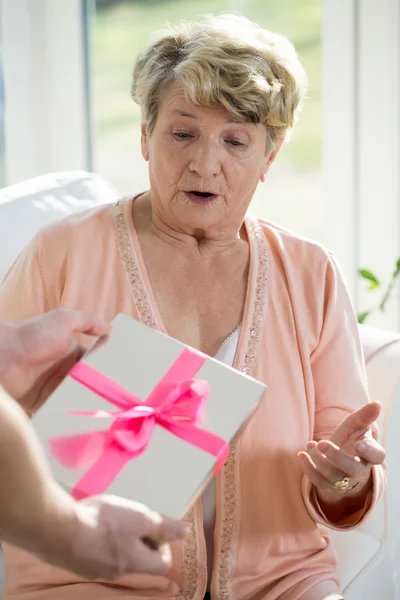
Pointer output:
x,y
185,529
362,446
323,446
182,528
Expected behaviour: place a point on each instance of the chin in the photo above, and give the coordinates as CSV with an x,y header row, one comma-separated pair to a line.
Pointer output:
x,y
200,217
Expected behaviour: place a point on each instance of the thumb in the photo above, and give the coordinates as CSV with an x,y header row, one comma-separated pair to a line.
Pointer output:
x,y
167,530
360,419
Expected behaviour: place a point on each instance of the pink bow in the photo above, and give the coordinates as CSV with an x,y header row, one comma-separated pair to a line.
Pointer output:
x,y
175,403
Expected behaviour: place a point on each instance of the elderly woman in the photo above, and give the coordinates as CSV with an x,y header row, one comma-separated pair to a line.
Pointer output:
x,y
218,98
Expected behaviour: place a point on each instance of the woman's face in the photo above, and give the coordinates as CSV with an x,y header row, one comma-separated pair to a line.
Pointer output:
x,y
204,166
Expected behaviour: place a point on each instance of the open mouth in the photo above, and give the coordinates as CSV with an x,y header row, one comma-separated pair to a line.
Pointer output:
x,y
201,197
202,194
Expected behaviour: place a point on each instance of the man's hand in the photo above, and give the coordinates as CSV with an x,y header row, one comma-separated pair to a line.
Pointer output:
x,y
36,355
112,537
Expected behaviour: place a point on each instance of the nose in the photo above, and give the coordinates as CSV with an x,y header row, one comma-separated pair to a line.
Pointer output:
x,y
205,158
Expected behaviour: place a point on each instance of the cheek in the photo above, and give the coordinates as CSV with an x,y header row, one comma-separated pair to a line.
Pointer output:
x,y
244,173
168,166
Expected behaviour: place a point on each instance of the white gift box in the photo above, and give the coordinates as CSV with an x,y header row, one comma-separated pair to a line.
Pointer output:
x,y
171,473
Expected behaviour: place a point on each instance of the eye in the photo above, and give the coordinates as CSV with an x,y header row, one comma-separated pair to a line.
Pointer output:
x,y
235,143
182,135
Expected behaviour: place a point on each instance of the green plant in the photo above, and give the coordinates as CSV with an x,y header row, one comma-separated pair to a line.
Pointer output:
x,y
374,283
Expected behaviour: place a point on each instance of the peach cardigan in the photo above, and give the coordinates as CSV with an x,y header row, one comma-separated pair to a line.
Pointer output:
x,y
299,335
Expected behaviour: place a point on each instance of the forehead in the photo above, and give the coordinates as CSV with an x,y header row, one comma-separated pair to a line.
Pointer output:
x,y
174,104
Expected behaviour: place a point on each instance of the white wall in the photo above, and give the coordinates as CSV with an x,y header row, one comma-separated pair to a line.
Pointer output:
x,y
45,121
361,141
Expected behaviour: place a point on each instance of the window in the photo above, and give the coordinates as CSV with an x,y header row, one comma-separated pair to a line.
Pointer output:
x,y
292,194
2,142
345,194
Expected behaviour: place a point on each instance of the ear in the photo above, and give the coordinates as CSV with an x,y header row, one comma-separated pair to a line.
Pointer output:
x,y
144,142
270,159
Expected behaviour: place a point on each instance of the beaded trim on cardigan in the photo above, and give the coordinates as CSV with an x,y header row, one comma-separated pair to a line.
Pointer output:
x,y
230,521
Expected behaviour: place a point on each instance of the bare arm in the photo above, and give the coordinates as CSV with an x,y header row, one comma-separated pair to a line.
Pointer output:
x,y
31,502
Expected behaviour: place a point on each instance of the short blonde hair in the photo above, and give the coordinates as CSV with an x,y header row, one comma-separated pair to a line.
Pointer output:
x,y
224,60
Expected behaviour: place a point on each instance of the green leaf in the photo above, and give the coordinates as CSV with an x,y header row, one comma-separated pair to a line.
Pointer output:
x,y
362,316
370,276
396,272
373,285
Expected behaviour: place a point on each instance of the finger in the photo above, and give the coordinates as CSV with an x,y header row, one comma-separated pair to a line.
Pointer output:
x,y
51,379
360,419
327,469
374,431
166,530
151,526
154,562
352,466
309,469
84,322
370,451
364,417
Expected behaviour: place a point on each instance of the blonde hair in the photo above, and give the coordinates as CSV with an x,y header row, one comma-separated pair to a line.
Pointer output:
x,y
224,60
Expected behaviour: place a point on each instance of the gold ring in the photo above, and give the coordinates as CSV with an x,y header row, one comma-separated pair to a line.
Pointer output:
x,y
343,484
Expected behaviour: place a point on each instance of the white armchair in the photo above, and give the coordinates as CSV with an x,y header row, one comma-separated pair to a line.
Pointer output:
x,y
27,207
369,557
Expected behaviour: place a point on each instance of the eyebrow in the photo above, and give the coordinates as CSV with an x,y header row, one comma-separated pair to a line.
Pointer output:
x,y
183,113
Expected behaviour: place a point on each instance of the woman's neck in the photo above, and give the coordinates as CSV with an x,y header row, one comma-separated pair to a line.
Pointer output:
x,y
194,243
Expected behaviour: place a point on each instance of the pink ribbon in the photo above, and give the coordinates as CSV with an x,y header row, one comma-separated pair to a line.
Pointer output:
x,y
175,403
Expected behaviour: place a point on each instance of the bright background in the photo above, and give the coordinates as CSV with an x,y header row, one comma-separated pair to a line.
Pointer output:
x,y
67,74
121,30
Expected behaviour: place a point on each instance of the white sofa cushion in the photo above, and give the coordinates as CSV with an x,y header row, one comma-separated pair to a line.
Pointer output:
x,y
27,207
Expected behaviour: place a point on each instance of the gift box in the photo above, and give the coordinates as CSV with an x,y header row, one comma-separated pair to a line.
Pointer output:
x,y
144,417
